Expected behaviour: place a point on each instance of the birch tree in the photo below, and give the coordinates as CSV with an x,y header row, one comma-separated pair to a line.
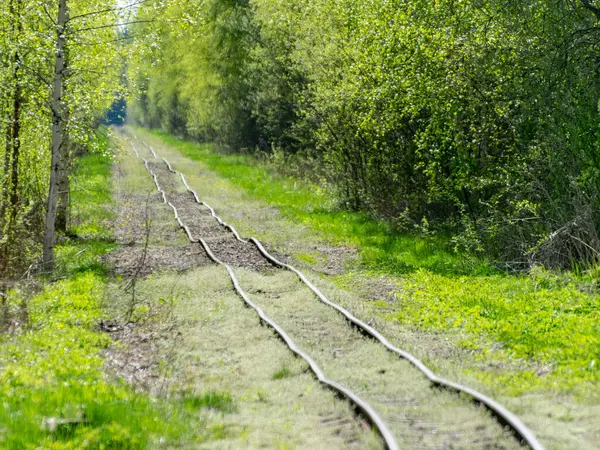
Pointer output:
x,y
58,133
89,63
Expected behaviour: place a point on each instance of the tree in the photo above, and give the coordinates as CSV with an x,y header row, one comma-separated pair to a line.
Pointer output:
x,y
479,117
58,134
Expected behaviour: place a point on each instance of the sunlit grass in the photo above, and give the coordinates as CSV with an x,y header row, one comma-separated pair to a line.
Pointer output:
x,y
557,328
52,385
91,195
216,401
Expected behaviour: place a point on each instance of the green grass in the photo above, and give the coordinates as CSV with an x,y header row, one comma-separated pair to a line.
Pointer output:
x,y
540,331
55,372
91,194
53,391
216,401
558,328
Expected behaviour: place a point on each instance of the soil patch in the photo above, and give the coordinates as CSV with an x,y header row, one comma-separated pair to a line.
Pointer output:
x,y
128,261
334,260
139,351
186,201
240,254
197,218
205,231
151,241
165,177
192,216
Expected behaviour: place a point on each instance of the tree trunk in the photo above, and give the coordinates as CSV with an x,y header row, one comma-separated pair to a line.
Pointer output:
x,y
62,212
64,167
4,188
6,170
58,131
16,141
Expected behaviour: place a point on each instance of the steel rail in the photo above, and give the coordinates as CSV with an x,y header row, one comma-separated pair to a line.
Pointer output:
x,y
361,405
505,416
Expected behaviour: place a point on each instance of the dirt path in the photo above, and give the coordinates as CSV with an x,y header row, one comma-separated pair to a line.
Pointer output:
x,y
421,417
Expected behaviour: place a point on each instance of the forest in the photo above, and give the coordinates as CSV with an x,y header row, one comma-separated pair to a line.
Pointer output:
x,y
477,119
424,179
61,69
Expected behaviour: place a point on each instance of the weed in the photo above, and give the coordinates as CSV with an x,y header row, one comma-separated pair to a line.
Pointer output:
x,y
262,395
310,258
282,373
217,401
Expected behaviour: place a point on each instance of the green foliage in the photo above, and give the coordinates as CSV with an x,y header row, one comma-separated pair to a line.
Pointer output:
x,y
478,116
93,55
215,64
215,401
282,373
92,191
91,199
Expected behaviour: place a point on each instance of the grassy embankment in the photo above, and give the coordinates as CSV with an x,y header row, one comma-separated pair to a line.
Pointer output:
x,y
544,318
53,392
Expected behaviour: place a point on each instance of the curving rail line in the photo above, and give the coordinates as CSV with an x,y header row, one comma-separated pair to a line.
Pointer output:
x,y
361,405
503,414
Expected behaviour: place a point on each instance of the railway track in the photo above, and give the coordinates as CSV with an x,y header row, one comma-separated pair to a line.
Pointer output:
x,y
224,246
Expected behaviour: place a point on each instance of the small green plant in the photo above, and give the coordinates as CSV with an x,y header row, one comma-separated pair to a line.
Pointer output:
x,y
217,401
262,395
282,373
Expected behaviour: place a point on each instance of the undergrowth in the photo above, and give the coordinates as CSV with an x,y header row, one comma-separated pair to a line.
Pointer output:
x,y
54,394
542,328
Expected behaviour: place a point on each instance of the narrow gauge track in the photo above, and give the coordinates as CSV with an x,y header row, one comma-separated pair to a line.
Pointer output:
x,y
505,417
362,406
